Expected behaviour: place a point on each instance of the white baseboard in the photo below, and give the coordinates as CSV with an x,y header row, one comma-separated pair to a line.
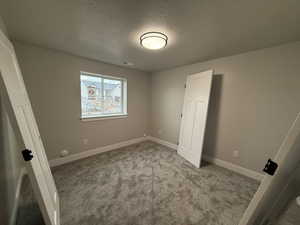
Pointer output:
x,y
17,197
162,142
238,169
87,153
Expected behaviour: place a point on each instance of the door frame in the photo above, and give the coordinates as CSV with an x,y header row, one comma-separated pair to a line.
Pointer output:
x,y
261,200
37,168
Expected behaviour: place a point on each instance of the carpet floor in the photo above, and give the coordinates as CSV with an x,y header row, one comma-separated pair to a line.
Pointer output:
x,y
149,184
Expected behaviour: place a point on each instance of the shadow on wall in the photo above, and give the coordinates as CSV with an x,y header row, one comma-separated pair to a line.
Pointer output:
x,y
212,124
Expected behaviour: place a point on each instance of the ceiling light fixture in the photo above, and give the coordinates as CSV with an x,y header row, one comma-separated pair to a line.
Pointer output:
x,y
153,40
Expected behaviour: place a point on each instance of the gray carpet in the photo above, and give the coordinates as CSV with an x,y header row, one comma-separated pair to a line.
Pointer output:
x,y
149,184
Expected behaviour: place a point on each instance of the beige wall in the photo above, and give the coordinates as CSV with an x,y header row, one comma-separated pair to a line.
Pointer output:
x,y
255,97
254,100
52,79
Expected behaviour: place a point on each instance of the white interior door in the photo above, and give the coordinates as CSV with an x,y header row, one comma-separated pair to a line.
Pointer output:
x,y
194,114
38,168
266,197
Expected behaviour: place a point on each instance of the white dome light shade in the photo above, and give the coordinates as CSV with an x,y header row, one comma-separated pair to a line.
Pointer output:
x,y
154,40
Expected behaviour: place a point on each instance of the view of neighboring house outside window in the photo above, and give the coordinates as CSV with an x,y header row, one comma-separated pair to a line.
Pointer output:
x,y
102,96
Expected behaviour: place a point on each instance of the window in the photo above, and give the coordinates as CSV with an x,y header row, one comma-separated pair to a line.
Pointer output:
x,y
102,96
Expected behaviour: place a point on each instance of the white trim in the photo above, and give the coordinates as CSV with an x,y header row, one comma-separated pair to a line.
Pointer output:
x,y
6,43
87,153
238,169
19,183
122,114
17,197
103,75
18,96
263,199
109,117
162,142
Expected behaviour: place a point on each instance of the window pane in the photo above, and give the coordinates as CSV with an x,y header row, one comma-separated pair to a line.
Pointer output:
x,y
101,96
91,95
112,103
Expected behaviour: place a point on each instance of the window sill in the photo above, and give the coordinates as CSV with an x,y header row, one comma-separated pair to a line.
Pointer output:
x,y
110,117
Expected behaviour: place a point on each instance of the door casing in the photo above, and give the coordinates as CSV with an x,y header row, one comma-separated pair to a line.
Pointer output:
x,y
38,168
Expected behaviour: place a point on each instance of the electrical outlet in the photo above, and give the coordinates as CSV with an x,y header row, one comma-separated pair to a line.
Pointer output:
x,y
236,154
64,153
85,141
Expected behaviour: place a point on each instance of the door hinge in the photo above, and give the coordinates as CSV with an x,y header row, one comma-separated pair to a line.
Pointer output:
x,y
181,115
27,155
184,85
270,167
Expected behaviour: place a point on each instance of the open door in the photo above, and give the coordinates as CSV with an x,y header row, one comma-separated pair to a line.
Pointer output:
x,y
267,195
37,164
194,115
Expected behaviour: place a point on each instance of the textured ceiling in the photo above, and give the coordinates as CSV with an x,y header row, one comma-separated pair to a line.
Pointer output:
x,y
109,30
